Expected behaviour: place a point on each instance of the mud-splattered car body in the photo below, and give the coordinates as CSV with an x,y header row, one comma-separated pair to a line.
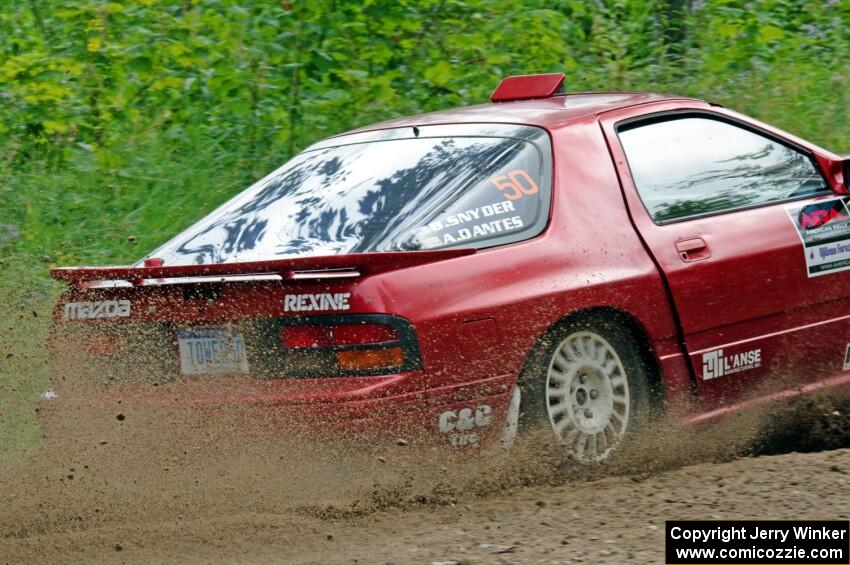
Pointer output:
x,y
430,332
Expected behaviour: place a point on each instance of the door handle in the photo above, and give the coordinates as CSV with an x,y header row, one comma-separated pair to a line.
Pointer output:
x,y
693,249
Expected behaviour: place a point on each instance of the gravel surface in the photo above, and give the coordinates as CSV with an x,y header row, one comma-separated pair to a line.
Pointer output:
x,y
122,514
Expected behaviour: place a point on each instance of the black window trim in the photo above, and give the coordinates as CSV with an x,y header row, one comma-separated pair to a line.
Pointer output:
x,y
682,113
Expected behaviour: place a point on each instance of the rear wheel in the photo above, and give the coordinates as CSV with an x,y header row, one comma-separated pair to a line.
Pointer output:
x,y
587,387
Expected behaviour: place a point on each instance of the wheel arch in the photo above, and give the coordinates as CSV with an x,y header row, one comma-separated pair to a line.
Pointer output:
x,y
632,324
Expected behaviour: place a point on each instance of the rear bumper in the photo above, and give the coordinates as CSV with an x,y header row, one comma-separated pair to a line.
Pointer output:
x,y
459,415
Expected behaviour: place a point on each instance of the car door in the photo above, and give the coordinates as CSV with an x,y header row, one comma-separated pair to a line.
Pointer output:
x,y
724,208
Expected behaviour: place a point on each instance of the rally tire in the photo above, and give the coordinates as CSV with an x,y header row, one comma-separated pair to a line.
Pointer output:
x,y
586,388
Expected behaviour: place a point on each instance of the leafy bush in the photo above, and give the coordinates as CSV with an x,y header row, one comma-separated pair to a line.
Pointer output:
x,y
128,119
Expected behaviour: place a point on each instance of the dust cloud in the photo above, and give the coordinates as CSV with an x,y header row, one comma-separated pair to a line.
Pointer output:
x,y
124,479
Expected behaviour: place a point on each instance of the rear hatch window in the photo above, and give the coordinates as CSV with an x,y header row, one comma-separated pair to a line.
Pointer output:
x,y
432,187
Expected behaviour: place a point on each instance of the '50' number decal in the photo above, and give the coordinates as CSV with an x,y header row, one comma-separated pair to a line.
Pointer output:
x,y
515,184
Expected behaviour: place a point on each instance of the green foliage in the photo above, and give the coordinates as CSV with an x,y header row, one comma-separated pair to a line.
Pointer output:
x,y
130,118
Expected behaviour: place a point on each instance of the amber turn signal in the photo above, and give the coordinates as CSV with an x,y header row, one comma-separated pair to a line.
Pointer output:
x,y
363,359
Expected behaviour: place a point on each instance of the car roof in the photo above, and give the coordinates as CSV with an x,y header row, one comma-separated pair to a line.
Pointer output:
x,y
550,112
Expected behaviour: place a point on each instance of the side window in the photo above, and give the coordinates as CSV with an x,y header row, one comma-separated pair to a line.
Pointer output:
x,y
693,166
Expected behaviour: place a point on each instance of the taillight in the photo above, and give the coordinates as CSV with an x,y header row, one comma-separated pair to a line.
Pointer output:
x,y
304,337
310,336
359,334
350,345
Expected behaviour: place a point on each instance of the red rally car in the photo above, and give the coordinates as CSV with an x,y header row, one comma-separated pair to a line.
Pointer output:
x,y
580,262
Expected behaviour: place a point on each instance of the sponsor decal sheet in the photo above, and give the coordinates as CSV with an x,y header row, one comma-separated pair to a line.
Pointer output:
x,y
824,229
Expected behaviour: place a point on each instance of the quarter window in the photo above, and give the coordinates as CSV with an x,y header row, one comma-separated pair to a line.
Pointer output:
x,y
694,166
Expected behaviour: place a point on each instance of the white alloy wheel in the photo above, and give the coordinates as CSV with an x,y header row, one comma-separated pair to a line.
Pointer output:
x,y
587,396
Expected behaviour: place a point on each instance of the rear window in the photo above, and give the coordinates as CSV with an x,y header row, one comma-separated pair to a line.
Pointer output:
x,y
432,187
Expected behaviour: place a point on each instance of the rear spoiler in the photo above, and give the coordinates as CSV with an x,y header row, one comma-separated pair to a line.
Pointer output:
x,y
300,268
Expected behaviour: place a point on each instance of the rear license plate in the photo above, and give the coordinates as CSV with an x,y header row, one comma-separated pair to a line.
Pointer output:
x,y
212,351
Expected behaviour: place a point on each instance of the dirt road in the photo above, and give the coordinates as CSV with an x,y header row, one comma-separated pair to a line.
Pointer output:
x,y
257,509
126,484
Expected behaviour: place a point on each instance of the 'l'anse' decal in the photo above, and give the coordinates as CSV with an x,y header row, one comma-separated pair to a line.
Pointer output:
x,y
717,364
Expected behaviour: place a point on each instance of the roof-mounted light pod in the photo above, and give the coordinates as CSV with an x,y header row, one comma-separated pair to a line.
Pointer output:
x,y
528,87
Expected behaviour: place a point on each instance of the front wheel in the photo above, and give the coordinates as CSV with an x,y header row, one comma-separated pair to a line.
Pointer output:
x,y
587,385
